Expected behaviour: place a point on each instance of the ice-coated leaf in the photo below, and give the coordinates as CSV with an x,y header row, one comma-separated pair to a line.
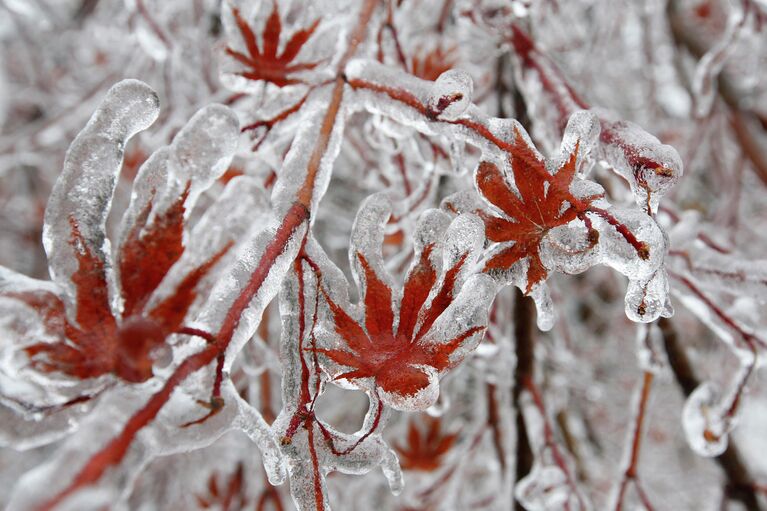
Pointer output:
x,y
539,203
77,210
425,446
150,182
153,235
406,340
239,212
313,448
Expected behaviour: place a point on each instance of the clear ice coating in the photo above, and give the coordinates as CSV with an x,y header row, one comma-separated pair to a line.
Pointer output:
x,y
297,285
83,192
650,167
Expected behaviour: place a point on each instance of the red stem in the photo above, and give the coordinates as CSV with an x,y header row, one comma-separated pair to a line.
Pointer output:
x,y
630,474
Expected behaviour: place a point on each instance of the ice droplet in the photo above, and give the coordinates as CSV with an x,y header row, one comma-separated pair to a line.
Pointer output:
x,y
545,314
650,167
647,300
451,94
704,427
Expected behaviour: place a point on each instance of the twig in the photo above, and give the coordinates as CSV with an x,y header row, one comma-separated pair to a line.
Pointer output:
x,y
524,335
630,473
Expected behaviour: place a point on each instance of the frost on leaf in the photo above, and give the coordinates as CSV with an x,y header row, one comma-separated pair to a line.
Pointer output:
x,y
263,63
406,340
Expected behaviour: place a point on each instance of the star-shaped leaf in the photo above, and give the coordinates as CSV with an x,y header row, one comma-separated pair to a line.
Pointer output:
x,y
424,450
101,342
264,63
402,361
541,202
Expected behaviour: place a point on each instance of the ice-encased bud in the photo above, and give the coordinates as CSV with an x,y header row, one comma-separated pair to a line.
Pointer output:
x,y
704,427
624,256
451,95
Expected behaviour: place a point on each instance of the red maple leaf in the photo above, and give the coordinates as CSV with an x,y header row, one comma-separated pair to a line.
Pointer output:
x,y
424,451
99,341
544,202
265,64
391,358
230,497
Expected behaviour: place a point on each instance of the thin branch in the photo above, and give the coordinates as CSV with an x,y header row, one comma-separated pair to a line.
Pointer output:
x,y
630,473
524,335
